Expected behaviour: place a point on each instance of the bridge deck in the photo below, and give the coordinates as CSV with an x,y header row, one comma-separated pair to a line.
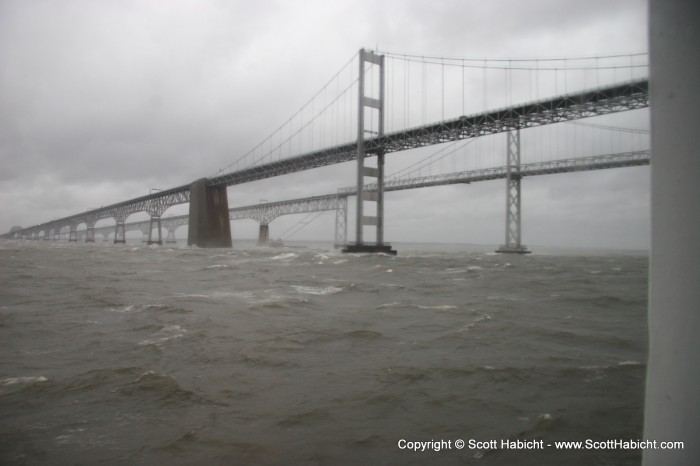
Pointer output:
x,y
628,96
266,212
602,101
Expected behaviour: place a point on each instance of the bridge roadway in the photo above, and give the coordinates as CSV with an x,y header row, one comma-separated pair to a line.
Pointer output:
x,y
611,99
264,213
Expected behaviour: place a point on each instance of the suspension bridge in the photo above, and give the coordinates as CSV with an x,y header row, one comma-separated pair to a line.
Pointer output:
x,y
384,103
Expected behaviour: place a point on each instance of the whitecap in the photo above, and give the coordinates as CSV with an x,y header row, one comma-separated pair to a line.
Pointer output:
x,y
444,307
545,417
217,266
317,290
22,380
129,308
284,257
629,363
389,305
169,332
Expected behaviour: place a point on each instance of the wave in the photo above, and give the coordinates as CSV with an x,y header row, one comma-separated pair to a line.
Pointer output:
x,y
133,308
159,386
285,257
97,386
169,332
398,304
318,291
217,266
22,380
279,301
313,416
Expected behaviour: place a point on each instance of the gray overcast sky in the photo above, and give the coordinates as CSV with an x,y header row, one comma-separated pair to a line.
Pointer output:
x,y
102,100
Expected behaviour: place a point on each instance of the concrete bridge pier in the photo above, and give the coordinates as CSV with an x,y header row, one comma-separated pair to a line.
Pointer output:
x,y
120,230
73,235
150,231
209,225
264,234
171,237
90,233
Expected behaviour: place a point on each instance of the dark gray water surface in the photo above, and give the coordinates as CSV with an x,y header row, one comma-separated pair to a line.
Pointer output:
x,y
155,355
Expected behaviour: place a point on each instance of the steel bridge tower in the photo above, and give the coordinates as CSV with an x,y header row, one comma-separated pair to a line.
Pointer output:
x,y
513,218
373,106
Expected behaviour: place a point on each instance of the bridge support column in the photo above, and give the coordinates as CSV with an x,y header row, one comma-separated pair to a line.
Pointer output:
x,y
513,219
209,225
90,233
264,234
371,103
73,234
171,237
341,223
120,232
150,231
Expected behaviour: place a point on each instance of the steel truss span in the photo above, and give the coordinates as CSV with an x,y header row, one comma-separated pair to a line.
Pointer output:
x,y
266,212
619,98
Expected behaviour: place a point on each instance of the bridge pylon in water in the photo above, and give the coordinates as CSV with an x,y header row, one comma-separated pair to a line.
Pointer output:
x,y
365,197
209,225
513,177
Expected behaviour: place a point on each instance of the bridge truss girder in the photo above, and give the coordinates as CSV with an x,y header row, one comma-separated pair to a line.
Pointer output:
x,y
264,213
622,97
269,211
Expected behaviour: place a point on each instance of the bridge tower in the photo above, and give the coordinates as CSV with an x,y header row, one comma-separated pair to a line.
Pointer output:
x,y
376,105
513,218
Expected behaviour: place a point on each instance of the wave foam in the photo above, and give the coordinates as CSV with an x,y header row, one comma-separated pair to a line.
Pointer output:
x,y
169,332
22,380
319,291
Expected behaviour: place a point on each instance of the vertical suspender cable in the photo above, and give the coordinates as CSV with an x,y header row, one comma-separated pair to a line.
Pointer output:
x,y
443,88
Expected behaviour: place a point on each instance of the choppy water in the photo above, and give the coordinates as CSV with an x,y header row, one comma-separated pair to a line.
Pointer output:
x,y
156,355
